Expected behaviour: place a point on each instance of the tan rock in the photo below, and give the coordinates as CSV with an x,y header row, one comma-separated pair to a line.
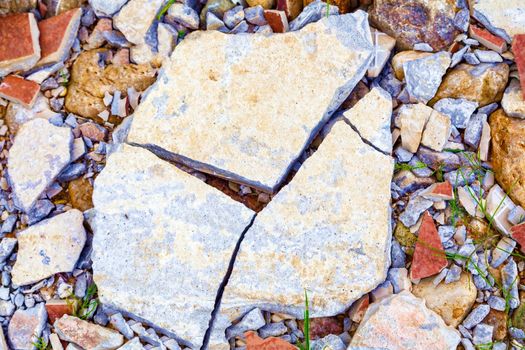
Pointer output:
x,y
80,194
89,82
497,319
483,83
508,154
513,102
406,56
383,45
16,6
16,114
86,334
451,301
135,18
437,131
412,120
344,6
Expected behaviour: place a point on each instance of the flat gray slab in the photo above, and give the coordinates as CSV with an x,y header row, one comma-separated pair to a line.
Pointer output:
x,y
163,240
244,107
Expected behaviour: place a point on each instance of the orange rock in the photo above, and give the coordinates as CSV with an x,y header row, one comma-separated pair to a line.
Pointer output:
x,y
439,191
57,308
16,89
254,342
19,48
277,20
488,39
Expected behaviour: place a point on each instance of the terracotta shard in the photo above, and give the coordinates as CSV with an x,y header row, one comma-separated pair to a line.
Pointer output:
x,y
16,89
277,20
518,48
488,39
292,8
439,191
518,233
254,342
429,258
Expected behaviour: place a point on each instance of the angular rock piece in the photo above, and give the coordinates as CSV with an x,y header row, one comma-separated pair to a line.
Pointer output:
x,y
371,117
412,121
153,223
292,8
277,20
87,335
513,101
429,255
253,341
423,76
418,21
16,89
313,12
503,18
19,47
383,45
437,131
487,39
346,229
459,110
26,326
40,151
57,35
399,60
135,18
49,247
402,322
257,116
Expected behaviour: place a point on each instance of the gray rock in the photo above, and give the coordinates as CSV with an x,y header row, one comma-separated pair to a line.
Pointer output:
x,y
255,15
241,27
4,293
504,19
133,344
474,130
482,334
467,344
454,274
72,171
6,248
502,251
6,308
499,346
416,206
460,177
233,16
446,161
272,330
330,342
397,254
26,326
476,316
399,279
39,211
40,151
407,182
8,224
461,20
510,281
106,7
458,56
75,330
459,110
487,56
497,303
423,76
313,12
423,47
184,15
118,322
214,23
488,109
516,333
471,58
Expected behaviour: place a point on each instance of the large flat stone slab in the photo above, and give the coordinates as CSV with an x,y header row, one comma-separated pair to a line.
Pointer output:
x,y
327,231
163,240
243,107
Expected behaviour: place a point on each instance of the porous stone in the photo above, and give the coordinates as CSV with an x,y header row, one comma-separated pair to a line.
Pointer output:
x,y
483,83
459,110
451,301
40,151
414,22
504,19
243,134
508,154
513,102
49,247
153,223
404,322
423,76
26,326
87,335
275,247
135,18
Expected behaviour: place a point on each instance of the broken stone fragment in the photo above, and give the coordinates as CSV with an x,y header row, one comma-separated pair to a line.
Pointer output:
x,y
437,131
313,12
19,90
292,8
87,335
56,308
383,45
40,151
253,341
26,326
277,20
57,35
503,18
513,101
399,60
184,15
459,110
498,207
412,119
487,39
423,76
439,192
404,322
518,233
106,7
135,18
49,247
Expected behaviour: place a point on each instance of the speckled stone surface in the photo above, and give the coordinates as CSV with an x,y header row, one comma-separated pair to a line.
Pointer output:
x,y
163,241
265,97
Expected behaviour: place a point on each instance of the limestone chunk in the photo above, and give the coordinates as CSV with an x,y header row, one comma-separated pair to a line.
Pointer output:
x,y
412,120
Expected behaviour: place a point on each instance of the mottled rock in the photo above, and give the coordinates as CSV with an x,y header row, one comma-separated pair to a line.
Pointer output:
x,y
26,326
498,321
247,137
412,119
144,207
184,15
508,154
451,301
253,320
253,341
135,18
16,6
80,192
276,20
292,8
313,12
423,76
39,153
56,308
414,22
483,83
217,8
87,335
402,321
504,19
459,110
487,39
513,102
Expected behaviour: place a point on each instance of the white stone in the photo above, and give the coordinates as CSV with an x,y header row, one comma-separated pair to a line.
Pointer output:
x,y
327,231
412,119
133,344
402,321
49,247
484,142
162,242
266,97
55,342
383,45
87,335
167,39
499,205
106,7
502,18
184,15
469,199
136,17
437,131
40,151
371,116
513,102
423,76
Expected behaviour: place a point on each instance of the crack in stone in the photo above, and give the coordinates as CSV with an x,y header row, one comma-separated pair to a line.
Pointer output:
x,y
365,141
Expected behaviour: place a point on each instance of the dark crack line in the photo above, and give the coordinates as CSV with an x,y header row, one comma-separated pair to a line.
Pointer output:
x,y
363,139
223,284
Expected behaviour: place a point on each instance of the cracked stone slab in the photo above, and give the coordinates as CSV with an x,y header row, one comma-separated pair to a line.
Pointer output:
x,y
327,231
162,243
266,97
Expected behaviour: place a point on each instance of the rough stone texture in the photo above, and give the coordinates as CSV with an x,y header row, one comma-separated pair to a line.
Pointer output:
x,y
459,110
49,247
135,18
16,114
89,82
80,192
16,6
87,335
508,154
417,21
423,76
483,83
26,326
19,90
383,45
40,151
503,18
371,116
437,131
343,231
106,7
513,102
451,301
154,223
412,120
256,116
401,322
400,58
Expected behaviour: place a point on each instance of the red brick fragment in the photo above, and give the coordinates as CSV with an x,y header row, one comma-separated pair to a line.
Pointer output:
x,y
429,257
19,48
56,308
518,233
518,48
358,308
488,39
292,8
254,342
277,20
57,35
19,90
439,191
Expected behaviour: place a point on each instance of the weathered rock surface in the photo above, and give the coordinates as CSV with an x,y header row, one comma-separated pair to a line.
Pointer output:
x,y
16,114
423,76
503,18
412,119
49,247
451,301
87,335
26,326
418,21
106,7
135,18
371,116
513,102
400,58
401,322
344,227
16,6
153,223
40,151
483,83
508,154
90,81
255,116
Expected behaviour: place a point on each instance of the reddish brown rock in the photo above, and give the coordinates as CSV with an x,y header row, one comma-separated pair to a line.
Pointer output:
x,y
19,90
96,39
429,258
358,308
292,8
439,191
93,131
57,35
497,319
320,327
80,194
19,47
518,233
277,20
10,6
416,21
518,48
488,39
254,342
56,308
